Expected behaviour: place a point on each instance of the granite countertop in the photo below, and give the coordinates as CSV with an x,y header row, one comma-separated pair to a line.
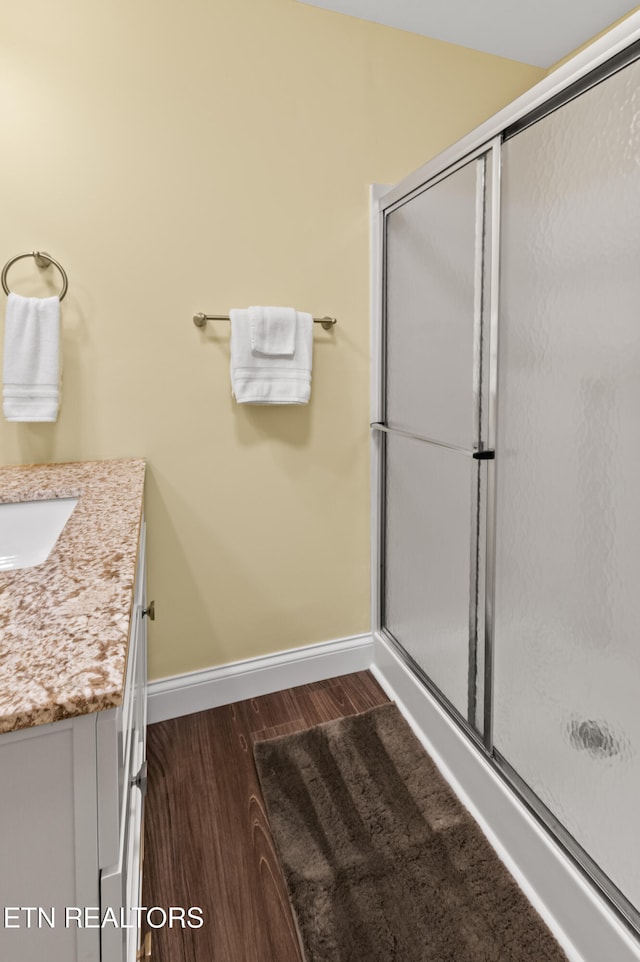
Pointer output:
x,y
64,624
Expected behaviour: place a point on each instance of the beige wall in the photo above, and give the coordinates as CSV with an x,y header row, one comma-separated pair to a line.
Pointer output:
x,y
195,156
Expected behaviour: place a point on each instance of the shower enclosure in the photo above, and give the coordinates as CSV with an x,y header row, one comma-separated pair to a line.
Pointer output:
x,y
509,457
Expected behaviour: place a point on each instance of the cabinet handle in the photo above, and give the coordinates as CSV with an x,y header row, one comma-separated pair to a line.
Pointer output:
x,y
144,952
150,611
140,780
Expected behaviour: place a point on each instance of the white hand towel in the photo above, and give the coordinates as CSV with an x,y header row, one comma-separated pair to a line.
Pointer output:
x,y
273,331
31,362
260,379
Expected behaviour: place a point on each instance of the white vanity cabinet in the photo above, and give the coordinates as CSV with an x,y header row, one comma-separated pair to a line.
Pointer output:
x,y
71,804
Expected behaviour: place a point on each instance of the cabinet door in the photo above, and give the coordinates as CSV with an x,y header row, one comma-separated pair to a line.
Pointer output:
x,y
567,659
48,855
121,881
120,885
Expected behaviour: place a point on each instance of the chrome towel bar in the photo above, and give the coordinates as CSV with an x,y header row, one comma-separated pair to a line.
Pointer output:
x,y
43,261
201,319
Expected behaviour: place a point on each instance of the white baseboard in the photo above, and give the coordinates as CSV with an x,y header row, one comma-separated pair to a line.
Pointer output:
x,y
584,925
213,687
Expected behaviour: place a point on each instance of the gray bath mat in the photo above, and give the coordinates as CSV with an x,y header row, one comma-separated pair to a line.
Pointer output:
x,y
382,862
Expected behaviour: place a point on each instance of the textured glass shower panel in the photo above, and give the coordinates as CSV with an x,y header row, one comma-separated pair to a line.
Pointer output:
x,y
428,526
433,242
567,650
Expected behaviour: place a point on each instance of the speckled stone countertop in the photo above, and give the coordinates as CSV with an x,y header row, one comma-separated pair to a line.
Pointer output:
x,y
64,624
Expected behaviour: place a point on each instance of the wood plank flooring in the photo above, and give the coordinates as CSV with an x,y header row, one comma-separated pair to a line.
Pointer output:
x,y
207,838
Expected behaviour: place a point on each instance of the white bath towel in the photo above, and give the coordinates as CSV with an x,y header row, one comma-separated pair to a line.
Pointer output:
x,y
260,379
31,361
273,331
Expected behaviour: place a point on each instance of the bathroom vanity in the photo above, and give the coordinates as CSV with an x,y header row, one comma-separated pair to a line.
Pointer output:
x,y
72,720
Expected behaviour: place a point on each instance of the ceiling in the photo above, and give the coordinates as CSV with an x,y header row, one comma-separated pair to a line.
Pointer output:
x,y
539,33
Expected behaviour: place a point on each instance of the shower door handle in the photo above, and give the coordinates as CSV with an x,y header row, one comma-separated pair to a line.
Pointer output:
x,y
476,455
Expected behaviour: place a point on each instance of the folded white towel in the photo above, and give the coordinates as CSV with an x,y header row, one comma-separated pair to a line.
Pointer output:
x,y
273,331
261,379
31,362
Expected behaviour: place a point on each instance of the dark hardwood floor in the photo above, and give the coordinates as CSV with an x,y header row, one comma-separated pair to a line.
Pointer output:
x,y
207,838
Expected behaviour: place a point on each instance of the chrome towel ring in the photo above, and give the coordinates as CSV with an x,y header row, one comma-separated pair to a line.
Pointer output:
x,y
43,260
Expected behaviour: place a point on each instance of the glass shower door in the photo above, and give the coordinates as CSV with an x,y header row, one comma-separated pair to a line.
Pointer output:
x,y
566,649
434,425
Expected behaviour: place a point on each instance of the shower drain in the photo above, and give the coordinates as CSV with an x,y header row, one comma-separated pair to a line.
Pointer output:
x,y
594,737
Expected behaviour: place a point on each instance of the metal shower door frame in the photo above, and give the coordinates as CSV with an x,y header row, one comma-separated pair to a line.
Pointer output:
x,y
604,57
486,280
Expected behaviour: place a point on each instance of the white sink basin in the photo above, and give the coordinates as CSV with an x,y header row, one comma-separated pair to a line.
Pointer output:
x,y
30,529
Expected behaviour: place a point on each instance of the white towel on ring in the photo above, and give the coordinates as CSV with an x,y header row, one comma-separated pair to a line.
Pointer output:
x,y
261,379
31,361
